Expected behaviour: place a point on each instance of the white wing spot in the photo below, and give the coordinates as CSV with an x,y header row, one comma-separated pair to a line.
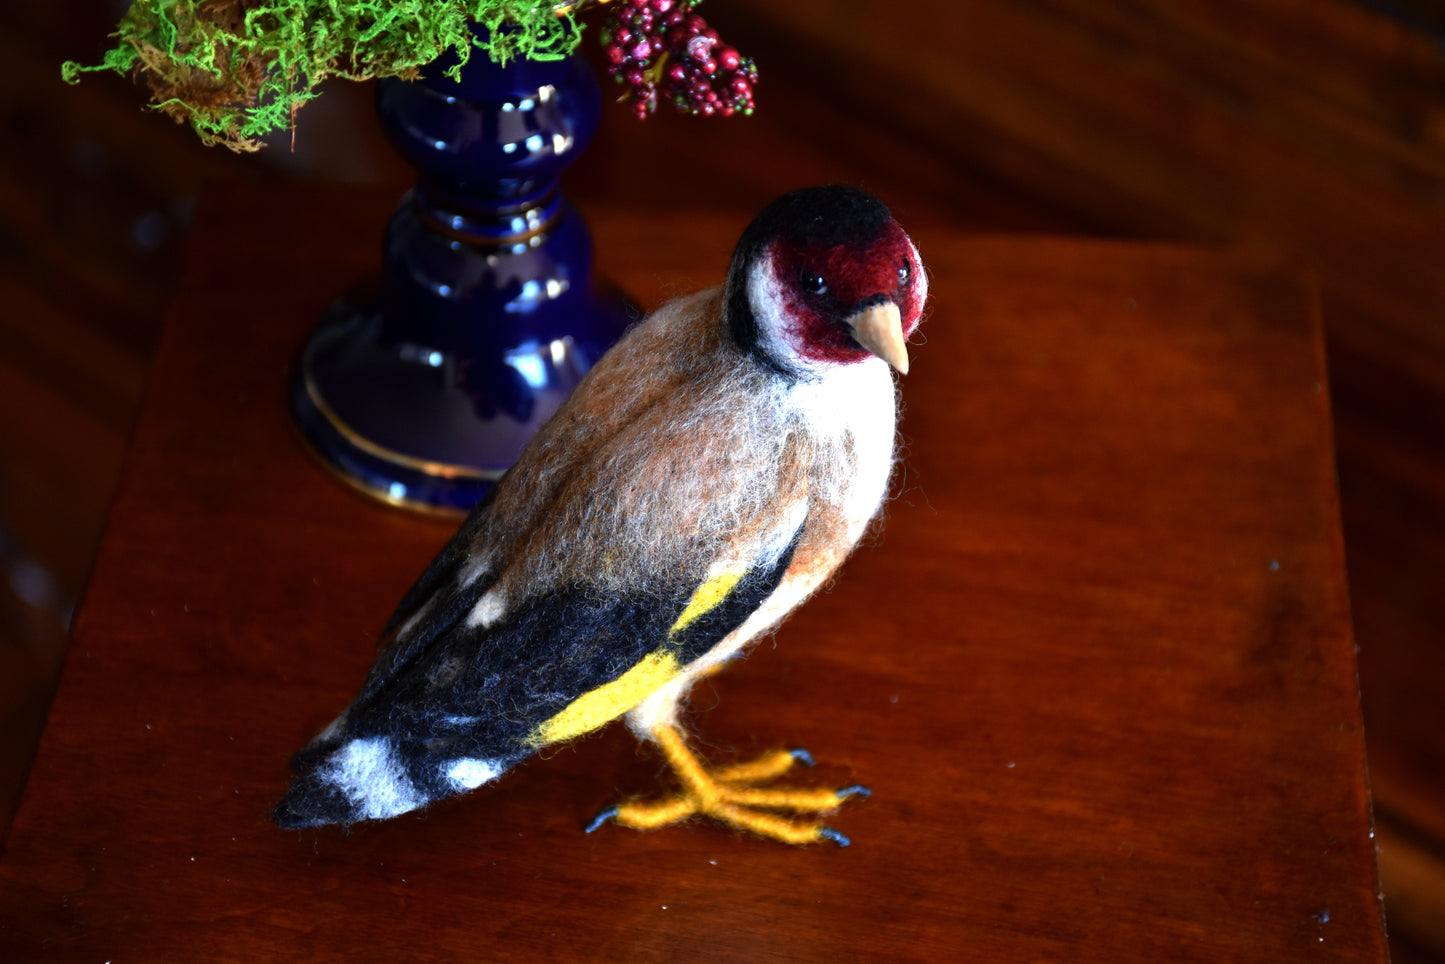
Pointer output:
x,y
489,609
468,773
473,568
332,728
414,619
368,772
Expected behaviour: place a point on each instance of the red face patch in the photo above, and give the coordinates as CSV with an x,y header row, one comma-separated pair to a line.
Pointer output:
x,y
824,284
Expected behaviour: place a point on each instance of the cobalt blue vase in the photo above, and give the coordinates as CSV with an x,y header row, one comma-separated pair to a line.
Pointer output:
x,y
424,391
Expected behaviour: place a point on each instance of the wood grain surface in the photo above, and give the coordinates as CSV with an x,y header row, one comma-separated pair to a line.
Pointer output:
x,y
1097,670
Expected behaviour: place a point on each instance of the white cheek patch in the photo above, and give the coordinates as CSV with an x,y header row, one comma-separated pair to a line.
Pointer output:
x,y
920,276
489,609
372,778
766,298
468,773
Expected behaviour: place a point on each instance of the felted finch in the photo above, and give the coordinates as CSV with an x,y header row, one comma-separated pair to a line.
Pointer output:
x,y
709,473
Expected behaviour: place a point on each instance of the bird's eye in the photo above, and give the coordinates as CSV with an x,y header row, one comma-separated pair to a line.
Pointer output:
x,y
905,273
813,283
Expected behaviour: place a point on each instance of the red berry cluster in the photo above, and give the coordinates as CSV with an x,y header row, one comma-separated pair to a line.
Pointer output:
x,y
661,48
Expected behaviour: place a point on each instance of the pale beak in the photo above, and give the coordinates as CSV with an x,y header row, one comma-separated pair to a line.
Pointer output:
x,y
879,328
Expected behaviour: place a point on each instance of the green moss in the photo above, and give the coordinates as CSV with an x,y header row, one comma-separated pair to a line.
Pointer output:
x,y
238,69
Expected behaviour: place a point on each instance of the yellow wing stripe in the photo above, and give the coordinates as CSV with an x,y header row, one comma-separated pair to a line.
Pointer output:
x,y
708,595
606,703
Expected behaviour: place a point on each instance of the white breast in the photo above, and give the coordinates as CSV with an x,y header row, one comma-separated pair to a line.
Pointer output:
x,y
855,403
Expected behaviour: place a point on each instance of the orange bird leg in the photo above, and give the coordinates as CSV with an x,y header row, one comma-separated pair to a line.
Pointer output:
x,y
731,795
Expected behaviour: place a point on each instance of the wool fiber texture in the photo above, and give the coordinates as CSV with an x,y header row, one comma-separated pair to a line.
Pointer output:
x,y
676,456
708,475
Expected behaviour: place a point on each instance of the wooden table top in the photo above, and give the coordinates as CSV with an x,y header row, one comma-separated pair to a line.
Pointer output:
x,y
1098,671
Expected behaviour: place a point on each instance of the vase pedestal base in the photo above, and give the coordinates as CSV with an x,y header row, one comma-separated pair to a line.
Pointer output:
x,y
424,429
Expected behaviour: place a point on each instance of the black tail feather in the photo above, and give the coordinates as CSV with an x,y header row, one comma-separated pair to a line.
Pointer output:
x,y
312,802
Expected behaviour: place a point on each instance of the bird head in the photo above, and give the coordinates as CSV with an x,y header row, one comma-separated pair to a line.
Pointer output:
x,y
825,277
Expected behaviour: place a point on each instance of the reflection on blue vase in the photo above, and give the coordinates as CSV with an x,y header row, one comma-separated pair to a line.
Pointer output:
x,y
424,391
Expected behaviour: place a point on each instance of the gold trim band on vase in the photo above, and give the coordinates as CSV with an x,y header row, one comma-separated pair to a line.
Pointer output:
x,y
443,470
372,492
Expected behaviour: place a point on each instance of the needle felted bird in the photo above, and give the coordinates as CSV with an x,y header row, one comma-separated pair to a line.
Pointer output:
x,y
709,473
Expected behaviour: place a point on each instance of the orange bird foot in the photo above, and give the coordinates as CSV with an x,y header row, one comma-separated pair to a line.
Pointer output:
x,y
732,796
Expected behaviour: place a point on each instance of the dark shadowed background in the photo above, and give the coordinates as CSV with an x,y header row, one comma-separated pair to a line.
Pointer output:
x,y
1313,132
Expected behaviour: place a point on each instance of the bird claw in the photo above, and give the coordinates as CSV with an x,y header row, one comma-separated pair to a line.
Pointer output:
x,y
609,814
735,795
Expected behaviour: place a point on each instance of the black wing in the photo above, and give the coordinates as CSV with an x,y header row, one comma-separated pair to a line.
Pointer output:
x,y
439,589
491,687
482,694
